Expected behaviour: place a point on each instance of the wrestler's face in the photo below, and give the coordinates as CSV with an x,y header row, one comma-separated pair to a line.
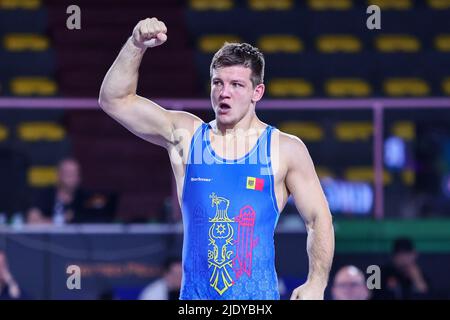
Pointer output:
x,y
233,95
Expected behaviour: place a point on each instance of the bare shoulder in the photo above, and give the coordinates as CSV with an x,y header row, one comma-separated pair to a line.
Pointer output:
x,y
295,156
291,147
289,140
184,125
185,120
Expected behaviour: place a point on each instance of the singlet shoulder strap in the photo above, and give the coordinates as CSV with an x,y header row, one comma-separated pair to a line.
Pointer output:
x,y
196,139
269,139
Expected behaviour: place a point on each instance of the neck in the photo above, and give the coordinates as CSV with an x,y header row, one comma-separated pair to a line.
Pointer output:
x,y
250,121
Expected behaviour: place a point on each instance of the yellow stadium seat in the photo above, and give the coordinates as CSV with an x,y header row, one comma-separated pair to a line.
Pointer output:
x,y
284,87
397,43
309,131
20,4
4,133
42,176
38,131
353,131
408,177
415,87
271,4
446,86
20,42
212,43
218,5
347,87
392,4
324,172
404,129
25,86
365,174
280,43
330,4
442,42
439,4
338,43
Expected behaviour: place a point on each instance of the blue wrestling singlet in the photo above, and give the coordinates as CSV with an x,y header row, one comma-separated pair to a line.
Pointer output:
x,y
229,215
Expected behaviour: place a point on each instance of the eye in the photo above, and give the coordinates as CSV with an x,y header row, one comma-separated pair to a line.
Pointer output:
x,y
216,82
236,84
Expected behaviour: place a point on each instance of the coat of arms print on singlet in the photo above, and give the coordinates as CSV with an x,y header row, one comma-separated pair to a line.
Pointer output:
x,y
222,259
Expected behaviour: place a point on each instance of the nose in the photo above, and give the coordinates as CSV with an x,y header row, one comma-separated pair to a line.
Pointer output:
x,y
225,91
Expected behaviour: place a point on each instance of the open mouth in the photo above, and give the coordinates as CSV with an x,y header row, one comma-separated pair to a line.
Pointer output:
x,y
224,107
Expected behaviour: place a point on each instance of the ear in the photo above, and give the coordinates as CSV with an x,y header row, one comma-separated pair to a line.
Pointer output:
x,y
258,92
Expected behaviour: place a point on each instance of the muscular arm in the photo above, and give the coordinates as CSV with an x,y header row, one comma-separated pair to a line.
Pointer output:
x,y
304,185
118,96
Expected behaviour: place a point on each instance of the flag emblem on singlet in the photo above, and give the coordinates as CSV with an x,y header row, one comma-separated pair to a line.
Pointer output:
x,y
255,183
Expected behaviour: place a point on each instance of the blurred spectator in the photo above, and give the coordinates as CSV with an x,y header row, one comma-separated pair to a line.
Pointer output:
x,y
58,204
67,202
402,278
350,284
9,289
168,287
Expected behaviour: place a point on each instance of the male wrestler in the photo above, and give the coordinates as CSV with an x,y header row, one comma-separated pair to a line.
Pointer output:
x,y
234,174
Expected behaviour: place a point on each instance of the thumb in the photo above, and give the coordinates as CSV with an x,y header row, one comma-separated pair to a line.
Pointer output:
x,y
158,40
162,37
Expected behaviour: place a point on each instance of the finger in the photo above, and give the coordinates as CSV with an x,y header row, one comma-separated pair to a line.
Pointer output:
x,y
154,25
143,31
150,24
163,27
151,30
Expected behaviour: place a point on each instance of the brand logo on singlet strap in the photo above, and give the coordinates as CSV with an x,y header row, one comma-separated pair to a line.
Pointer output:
x,y
201,179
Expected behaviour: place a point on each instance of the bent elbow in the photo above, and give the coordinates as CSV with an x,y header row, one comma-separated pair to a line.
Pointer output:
x,y
104,101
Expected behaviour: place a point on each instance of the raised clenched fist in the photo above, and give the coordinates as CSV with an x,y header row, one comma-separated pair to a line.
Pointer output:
x,y
149,33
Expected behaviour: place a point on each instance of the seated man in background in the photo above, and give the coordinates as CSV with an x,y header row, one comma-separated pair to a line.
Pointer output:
x,y
168,287
402,278
9,289
67,202
350,284
58,204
